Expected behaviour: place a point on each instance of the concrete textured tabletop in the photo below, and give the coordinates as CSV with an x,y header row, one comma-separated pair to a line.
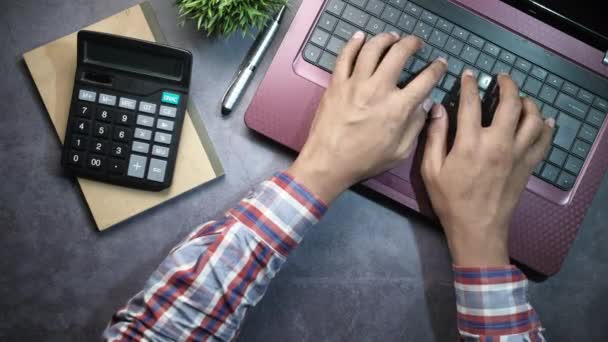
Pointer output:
x,y
370,271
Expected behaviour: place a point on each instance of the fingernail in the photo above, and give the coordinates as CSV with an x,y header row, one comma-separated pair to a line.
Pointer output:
x,y
442,60
427,105
395,34
468,72
438,112
550,122
358,35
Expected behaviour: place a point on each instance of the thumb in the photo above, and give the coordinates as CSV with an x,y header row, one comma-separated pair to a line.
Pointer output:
x,y
436,144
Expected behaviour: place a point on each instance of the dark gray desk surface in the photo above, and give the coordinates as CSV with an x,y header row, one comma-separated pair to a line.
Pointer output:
x,y
371,271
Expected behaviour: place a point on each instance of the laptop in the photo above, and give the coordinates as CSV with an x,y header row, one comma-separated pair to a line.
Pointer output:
x,y
556,51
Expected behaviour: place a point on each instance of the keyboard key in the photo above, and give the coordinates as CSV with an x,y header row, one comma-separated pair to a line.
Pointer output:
x,y
572,106
588,133
484,81
406,23
601,104
398,3
413,9
328,22
570,88
573,165
460,33
319,38
375,26
532,86
140,147
327,61
501,68
558,156
596,117
123,134
445,25
566,180
555,81
143,134
470,54
455,66
311,54
391,15
585,96
448,82
454,46
581,149
518,77
425,52
119,150
417,66
96,162
476,41
86,95
423,30
355,16
429,17
507,57
438,38
335,7
539,73
437,95
137,166
491,49
549,112
438,53
156,171
550,173
127,103
98,146
566,132
160,151
104,115
485,62
358,3
538,169
523,65
84,110
335,45
548,94
345,30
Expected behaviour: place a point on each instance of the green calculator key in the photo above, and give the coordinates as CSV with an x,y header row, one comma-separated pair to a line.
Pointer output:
x,y
170,98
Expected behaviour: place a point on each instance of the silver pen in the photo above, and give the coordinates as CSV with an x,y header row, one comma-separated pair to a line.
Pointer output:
x,y
253,59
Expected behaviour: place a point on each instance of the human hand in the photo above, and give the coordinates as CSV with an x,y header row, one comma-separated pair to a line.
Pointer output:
x,y
365,124
475,188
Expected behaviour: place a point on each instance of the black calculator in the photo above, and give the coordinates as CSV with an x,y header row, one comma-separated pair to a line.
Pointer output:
x,y
127,111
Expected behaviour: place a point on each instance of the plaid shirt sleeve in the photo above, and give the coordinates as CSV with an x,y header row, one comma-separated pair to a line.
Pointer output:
x,y
204,288
492,305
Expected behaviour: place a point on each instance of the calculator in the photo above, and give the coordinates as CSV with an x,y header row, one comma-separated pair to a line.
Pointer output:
x,y
127,111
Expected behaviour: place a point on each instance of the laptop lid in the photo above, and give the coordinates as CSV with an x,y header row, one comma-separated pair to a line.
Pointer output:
x,y
579,19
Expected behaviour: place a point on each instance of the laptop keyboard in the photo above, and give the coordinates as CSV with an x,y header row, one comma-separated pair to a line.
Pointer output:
x,y
579,113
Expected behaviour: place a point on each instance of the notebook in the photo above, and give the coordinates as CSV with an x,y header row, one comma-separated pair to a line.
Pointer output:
x,y
52,67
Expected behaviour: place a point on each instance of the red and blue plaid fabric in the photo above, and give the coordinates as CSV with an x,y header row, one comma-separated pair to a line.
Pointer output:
x,y
204,288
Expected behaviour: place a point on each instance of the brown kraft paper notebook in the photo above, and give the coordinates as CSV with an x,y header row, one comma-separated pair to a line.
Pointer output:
x,y
52,67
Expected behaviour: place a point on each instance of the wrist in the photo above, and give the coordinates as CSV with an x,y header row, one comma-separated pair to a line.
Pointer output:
x,y
318,177
479,249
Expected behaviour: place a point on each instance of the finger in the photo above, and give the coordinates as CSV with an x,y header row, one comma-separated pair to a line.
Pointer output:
x,y
390,68
540,148
509,107
371,53
413,125
530,128
348,56
469,110
435,150
420,88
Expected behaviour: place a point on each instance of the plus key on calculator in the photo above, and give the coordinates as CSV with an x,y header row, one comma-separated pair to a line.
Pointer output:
x,y
127,110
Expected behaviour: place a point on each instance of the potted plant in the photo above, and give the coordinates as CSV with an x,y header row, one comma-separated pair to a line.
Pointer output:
x,y
224,17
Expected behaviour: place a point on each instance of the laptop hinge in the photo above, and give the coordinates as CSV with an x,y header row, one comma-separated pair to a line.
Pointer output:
x,y
606,58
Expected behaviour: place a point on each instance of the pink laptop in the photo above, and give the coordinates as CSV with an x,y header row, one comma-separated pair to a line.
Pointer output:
x,y
554,50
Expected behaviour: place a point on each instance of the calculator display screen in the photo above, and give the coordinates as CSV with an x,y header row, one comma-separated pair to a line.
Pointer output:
x,y
133,60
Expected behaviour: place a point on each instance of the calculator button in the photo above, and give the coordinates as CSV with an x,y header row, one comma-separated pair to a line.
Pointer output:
x,y
166,125
162,138
99,146
104,114
168,111
106,99
143,134
101,130
160,151
144,120
116,166
95,162
156,171
79,143
86,95
140,147
124,118
82,126
127,103
84,110
170,98
76,158
147,107
137,166
119,150
122,134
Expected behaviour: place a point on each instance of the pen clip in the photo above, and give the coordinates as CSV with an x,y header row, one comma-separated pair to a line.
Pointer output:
x,y
234,79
